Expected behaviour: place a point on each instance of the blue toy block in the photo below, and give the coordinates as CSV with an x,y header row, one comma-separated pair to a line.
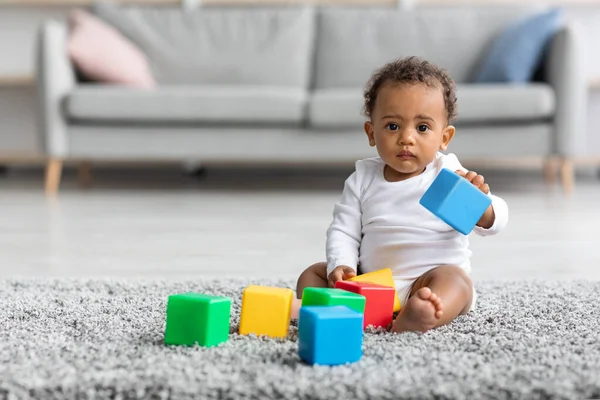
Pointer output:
x,y
455,201
330,335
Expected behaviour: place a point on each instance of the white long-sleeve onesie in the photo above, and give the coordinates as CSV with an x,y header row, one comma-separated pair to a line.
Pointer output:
x,y
379,224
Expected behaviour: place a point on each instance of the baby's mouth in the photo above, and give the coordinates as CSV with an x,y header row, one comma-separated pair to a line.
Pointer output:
x,y
405,154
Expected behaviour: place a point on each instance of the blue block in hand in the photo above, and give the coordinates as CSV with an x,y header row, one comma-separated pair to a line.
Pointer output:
x,y
330,335
455,201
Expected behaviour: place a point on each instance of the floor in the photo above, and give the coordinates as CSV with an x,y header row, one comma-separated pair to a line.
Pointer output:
x,y
163,223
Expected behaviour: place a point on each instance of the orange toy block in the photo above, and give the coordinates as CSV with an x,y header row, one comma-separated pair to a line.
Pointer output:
x,y
382,277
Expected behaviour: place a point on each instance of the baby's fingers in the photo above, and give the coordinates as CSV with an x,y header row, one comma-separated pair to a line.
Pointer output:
x,y
348,273
470,176
478,181
335,276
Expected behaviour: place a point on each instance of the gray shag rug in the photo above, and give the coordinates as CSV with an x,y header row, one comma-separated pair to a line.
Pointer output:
x,y
71,339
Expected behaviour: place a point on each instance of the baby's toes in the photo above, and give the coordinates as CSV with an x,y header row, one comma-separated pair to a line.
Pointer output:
x,y
438,305
438,314
424,293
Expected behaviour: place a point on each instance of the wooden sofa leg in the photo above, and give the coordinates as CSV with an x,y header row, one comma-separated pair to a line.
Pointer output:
x,y
53,173
550,170
84,174
567,174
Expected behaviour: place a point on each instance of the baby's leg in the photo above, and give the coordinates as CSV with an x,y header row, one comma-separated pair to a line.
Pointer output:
x,y
437,298
313,276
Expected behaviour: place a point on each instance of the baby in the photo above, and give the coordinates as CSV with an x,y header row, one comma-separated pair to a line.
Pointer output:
x,y
379,223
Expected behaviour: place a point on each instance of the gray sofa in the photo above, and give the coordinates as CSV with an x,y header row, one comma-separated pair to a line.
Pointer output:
x,y
284,85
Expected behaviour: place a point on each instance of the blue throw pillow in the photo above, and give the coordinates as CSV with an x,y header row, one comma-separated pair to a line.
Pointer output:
x,y
515,55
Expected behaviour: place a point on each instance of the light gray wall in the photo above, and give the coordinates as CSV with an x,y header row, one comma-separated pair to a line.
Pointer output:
x,y
589,19
591,146
18,126
18,28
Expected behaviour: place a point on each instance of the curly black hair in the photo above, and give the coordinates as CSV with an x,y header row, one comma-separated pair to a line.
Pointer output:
x,y
412,70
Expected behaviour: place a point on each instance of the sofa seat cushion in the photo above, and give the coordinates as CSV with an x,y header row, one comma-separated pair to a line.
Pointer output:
x,y
476,104
188,104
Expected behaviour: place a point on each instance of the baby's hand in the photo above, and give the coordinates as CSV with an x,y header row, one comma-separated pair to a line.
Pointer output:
x,y
488,217
341,272
477,180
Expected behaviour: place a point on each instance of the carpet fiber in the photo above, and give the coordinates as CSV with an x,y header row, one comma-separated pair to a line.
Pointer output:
x,y
103,338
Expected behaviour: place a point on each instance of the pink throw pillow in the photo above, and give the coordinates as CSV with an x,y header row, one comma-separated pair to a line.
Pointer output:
x,y
102,54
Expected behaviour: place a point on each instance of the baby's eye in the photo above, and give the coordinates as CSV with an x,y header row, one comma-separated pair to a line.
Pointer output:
x,y
423,128
392,127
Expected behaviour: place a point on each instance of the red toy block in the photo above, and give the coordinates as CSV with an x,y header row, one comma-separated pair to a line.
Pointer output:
x,y
379,309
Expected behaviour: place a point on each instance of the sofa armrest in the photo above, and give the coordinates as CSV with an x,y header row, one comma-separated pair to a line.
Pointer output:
x,y
566,72
55,78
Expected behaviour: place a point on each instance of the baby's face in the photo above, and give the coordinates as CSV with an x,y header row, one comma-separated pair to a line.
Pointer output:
x,y
408,126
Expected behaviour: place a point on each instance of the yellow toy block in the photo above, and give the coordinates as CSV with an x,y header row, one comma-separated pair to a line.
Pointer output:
x,y
382,277
266,311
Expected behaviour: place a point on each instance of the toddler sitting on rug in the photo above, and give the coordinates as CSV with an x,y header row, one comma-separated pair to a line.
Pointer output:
x,y
379,223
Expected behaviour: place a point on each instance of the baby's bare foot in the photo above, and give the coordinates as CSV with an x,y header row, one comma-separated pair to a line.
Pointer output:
x,y
421,312
296,304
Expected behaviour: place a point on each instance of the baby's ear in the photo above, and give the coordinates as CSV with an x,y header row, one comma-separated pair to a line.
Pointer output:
x,y
447,135
370,132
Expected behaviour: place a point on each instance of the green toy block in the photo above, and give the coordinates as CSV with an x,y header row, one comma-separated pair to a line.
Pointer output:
x,y
333,297
197,318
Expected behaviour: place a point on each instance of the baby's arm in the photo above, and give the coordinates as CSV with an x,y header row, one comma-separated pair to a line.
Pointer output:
x,y
496,218
344,233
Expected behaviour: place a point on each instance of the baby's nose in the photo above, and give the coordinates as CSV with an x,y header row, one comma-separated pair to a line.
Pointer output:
x,y
406,137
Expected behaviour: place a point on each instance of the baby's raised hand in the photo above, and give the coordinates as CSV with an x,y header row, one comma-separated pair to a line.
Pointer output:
x,y
340,273
488,217
477,180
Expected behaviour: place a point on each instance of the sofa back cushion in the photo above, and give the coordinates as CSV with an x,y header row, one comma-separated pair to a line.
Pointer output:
x,y
353,43
220,46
